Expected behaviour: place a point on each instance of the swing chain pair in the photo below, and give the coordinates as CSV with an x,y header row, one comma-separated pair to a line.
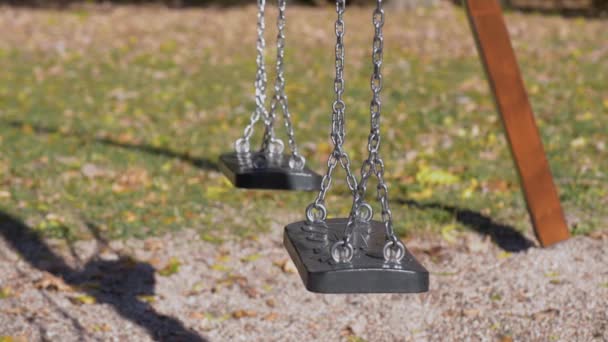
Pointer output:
x,y
393,249
316,212
270,144
342,251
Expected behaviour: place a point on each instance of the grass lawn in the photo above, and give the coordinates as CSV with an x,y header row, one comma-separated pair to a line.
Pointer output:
x,y
114,117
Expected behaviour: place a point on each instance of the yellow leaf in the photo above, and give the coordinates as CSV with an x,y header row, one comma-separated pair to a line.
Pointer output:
x,y
6,292
171,268
534,89
252,257
420,195
215,192
578,142
83,299
468,191
147,298
129,216
504,255
586,116
448,233
220,267
428,176
552,274
606,103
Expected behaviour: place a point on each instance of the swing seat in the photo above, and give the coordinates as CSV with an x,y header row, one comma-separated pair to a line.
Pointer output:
x,y
309,247
257,170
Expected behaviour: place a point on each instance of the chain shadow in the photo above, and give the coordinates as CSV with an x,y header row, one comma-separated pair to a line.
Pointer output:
x,y
202,163
504,236
119,283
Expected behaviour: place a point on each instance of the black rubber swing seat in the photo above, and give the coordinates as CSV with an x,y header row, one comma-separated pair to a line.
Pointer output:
x,y
257,170
309,247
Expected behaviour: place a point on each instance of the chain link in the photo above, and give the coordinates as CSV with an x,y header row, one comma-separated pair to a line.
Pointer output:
x,y
242,144
316,211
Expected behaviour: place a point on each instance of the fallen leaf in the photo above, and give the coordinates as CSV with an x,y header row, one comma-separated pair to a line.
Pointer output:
x,y
504,255
449,233
578,142
83,299
421,195
271,302
6,292
545,314
347,331
198,315
7,338
599,235
52,283
238,314
147,298
252,257
428,176
153,244
171,268
506,339
470,312
93,171
286,266
271,316
101,328
220,267
251,291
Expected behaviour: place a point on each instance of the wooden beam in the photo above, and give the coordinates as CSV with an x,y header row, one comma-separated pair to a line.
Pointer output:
x,y
494,46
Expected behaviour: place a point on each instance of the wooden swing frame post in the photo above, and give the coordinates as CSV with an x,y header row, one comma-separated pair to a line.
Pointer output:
x,y
497,54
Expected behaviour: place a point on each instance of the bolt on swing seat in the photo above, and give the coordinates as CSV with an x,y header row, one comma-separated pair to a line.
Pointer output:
x,y
354,254
269,168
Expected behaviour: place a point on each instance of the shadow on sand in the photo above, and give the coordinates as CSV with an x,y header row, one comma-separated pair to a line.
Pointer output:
x,y
504,236
118,283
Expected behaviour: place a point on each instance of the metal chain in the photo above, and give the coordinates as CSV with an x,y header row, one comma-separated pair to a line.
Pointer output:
x,y
393,250
279,98
316,212
242,144
270,144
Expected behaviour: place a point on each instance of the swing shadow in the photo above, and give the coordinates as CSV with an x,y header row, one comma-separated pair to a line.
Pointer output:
x,y
201,163
504,236
118,283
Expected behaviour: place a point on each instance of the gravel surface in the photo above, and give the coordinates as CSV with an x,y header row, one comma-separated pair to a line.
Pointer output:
x,y
247,291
